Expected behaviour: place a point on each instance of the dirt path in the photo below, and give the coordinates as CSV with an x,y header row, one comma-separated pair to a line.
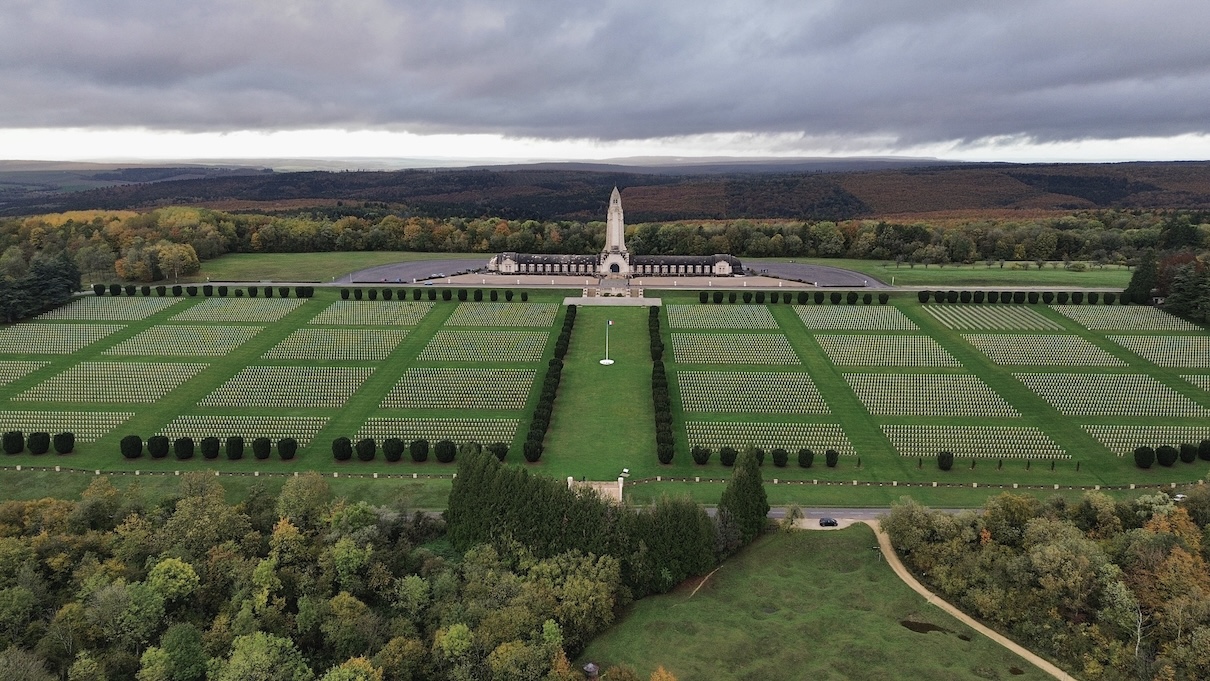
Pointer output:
x,y
892,559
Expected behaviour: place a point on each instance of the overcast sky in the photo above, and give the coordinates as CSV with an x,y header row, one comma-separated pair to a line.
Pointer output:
x,y
1015,80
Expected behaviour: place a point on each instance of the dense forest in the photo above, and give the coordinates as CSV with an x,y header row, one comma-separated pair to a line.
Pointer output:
x,y
1113,589
300,585
653,195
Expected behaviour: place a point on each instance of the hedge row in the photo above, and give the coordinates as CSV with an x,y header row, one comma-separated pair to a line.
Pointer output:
x,y
665,444
787,297
1021,297
532,450
1167,455
781,457
15,442
343,449
432,293
207,290
158,446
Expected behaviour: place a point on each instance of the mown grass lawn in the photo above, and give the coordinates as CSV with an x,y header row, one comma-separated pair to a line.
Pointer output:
x,y
973,275
802,605
307,266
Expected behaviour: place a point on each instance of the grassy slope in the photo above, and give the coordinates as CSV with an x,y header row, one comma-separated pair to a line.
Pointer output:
x,y
804,605
977,274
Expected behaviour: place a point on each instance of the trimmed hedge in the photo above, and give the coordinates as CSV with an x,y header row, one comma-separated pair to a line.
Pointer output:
x,y
131,446
38,443
945,460
342,449
806,458
262,447
65,443
287,447
210,447
13,442
419,450
499,449
445,450
235,448
831,457
158,446
182,447
392,449
1144,456
366,449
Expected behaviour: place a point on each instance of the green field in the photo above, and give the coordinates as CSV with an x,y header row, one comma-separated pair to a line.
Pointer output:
x,y
976,274
1023,394
802,605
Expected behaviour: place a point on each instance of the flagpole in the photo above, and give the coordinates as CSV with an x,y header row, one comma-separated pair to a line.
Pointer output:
x,y
607,361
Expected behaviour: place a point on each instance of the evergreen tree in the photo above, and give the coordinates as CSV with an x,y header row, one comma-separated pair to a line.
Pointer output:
x,y
1145,278
744,498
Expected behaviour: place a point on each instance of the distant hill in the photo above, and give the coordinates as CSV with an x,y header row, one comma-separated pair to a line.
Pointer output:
x,y
721,189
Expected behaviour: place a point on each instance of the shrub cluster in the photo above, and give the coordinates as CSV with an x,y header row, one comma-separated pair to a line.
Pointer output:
x,y
1020,297
1167,455
15,442
788,297
207,290
183,448
532,450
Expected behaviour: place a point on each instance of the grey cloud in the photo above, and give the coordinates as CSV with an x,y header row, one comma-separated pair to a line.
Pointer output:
x,y
915,72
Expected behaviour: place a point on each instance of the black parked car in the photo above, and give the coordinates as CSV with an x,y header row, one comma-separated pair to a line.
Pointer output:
x,y
828,522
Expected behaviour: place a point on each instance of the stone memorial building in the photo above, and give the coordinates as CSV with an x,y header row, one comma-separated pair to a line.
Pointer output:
x,y
615,261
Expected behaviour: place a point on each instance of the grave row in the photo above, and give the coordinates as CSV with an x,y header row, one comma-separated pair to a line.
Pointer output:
x,y
732,348
185,341
749,393
1111,395
993,442
886,351
818,437
112,382
303,387
929,395
1041,350
434,388
992,318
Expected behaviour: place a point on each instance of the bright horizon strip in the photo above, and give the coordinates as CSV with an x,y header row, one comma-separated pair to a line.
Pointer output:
x,y
143,145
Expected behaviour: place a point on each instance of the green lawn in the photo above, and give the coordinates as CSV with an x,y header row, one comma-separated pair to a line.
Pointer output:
x,y
977,274
307,266
603,416
803,605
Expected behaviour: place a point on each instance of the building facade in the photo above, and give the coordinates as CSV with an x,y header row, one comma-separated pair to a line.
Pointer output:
x,y
615,261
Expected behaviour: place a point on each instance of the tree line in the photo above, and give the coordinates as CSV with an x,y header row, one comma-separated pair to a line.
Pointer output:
x,y
1112,589
168,243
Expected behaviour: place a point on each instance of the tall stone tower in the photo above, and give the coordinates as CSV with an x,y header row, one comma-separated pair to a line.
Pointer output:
x,y
615,259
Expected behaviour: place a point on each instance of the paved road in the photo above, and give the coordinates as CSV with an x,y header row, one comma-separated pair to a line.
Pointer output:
x,y
820,275
406,272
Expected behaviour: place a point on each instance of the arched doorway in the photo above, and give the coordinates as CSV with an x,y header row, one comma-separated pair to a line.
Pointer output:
x,y
614,268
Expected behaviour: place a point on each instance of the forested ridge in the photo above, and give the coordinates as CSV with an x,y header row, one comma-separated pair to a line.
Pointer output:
x,y
530,193
1113,589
